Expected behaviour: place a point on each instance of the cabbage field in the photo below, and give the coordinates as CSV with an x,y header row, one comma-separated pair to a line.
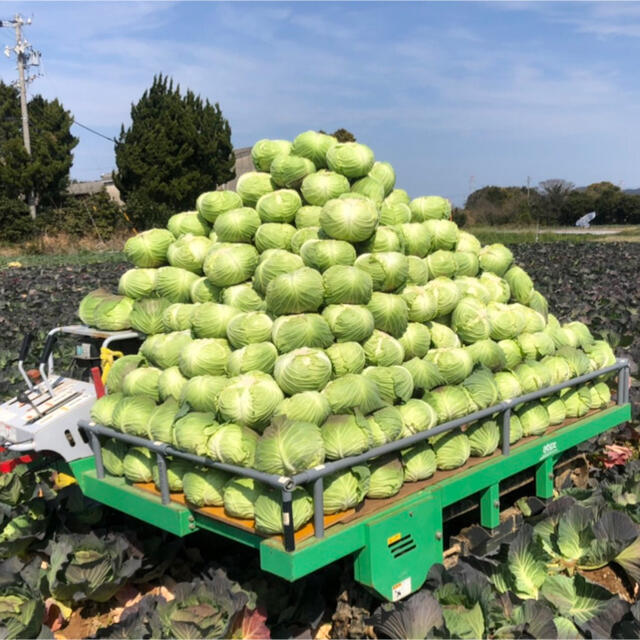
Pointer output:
x,y
315,313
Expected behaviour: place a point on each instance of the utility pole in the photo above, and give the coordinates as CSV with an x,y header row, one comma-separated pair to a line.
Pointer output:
x,y
26,57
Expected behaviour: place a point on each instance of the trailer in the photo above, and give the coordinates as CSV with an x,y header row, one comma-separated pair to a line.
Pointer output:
x,y
393,541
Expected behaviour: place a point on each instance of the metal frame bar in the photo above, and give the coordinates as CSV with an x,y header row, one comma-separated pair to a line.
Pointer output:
x,y
287,484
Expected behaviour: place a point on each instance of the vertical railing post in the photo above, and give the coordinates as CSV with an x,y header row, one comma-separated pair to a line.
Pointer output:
x,y
506,431
318,508
163,479
94,443
287,521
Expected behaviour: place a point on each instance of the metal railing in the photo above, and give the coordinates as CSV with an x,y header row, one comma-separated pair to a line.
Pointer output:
x,y
316,476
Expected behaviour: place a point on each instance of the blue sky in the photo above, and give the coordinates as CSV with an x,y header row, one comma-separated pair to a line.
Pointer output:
x,y
455,95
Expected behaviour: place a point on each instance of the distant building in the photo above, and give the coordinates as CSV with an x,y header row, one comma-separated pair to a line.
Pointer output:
x,y
243,165
91,187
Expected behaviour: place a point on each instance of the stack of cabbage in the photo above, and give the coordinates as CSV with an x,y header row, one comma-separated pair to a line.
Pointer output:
x,y
316,313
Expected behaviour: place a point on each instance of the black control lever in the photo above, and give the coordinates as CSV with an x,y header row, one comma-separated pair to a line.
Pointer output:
x,y
24,399
25,347
48,348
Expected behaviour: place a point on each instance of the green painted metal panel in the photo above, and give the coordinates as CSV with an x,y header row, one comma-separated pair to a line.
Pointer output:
x,y
544,478
490,506
401,545
227,530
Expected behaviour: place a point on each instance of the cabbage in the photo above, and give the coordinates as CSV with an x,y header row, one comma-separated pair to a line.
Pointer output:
x,y
205,356
416,239
446,293
308,216
520,284
418,271
274,235
268,510
295,292
265,151
89,304
120,369
556,410
318,188
388,270
600,355
191,432
394,383
350,159
322,254
581,332
398,195
421,303
243,297
260,356
533,320
353,391
454,363
498,289
188,252
470,320
149,248
558,367
417,416
383,239
346,357
394,213
536,345
529,377
289,171
131,415
577,360
466,263
349,322
272,265
488,353
248,328
308,406
240,495
383,350
346,285
211,204
201,392
482,388
484,437
137,283
508,385
534,418
449,402
113,455
505,320
473,287
176,468
577,401
177,317
160,426
204,487
539,303
188,222
303,369
114,313
345,489
387,476
349,219
441,264
210,320
600,395
467,242
419,462
442,336
383,172
137,465
278,206
304,330
288,447
301,236
147,313
390,313
250,400
344,436
204,291
142,382
452,449
429,208
314,145
237,225
229,263
512,354
233,444
415,341
102,409
252,185
425,374
369,187
495,258
444,234
385,425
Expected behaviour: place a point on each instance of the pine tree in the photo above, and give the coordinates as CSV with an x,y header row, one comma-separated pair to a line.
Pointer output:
x,y
176,147
46,172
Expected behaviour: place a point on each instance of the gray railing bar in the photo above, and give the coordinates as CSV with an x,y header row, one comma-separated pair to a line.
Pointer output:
x,y
162,476
506,431
318,508
94,443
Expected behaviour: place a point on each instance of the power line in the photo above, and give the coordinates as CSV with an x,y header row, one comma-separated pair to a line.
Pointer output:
x,y
97,133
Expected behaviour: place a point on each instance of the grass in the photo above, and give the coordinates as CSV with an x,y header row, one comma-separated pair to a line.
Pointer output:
x,y
518,235
61,259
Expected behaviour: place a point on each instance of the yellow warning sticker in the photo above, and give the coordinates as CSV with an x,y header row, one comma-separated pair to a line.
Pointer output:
x,y
394,538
